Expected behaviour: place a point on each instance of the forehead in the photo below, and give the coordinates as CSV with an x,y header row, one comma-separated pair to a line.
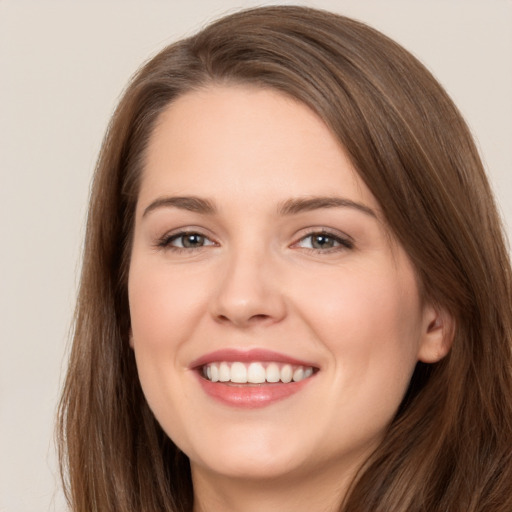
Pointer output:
x,y
234,141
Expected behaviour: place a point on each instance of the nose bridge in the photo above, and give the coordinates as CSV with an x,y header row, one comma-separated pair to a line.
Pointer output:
x,y
248,290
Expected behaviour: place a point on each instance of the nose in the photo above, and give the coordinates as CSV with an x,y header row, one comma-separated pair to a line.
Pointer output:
x,y
249,292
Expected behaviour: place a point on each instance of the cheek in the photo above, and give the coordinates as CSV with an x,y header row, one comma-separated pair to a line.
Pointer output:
x,y
371,322
162,318
371,325
164,306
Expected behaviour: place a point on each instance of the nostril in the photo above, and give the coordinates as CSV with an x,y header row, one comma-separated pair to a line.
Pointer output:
x,y
247,320
259,317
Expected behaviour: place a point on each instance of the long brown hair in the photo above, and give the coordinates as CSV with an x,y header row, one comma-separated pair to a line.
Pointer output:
x,y
450,445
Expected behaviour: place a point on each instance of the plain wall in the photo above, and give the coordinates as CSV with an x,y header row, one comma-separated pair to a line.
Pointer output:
x,y
63,65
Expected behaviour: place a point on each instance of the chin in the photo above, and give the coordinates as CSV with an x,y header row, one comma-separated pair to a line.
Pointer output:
x,y
256,456
253,466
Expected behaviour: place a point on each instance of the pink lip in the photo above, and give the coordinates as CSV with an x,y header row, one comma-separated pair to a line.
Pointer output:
x,y
246,395
250,396
245,356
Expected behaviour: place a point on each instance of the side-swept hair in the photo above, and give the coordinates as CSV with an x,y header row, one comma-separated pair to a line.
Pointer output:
x,y
449,447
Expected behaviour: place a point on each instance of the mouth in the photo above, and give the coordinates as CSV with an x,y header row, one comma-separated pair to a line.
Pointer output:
x,y
257,372
252,379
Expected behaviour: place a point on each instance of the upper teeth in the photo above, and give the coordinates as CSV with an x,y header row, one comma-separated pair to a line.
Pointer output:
x,y
255,373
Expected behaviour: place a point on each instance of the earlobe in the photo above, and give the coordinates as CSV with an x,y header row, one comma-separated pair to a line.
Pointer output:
x,y
438,335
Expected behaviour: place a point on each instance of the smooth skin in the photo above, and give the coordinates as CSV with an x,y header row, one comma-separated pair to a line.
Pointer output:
x,y
256,268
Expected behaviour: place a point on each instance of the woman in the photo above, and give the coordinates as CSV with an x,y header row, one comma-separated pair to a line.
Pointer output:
x,y
295,290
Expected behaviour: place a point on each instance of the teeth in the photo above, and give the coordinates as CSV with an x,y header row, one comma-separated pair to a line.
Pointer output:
x,y
224,372
238,373
255,373
286,373
214,373
298,374
273,373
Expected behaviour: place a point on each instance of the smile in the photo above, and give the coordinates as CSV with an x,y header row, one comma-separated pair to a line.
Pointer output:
x,y
252,378
238,372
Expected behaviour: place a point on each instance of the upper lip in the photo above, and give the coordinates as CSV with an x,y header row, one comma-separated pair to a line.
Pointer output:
x,y
255,354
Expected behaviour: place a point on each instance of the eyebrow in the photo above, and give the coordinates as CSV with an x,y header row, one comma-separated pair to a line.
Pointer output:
x,y
306,204
190,203
288,207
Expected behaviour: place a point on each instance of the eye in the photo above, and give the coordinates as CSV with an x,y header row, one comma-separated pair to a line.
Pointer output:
x,y
185,240
324,241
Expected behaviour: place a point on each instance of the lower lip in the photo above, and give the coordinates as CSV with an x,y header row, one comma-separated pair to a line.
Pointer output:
x,y
251,396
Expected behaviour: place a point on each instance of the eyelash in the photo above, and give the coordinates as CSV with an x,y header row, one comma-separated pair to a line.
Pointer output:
x,y
166,241
342,243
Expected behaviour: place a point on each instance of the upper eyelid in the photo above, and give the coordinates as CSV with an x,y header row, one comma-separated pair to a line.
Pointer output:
x,y
186,231
344,241
335,233
169,236
183,234
177,234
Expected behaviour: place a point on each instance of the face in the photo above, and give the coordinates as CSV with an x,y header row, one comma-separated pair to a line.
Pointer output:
x,y
275,321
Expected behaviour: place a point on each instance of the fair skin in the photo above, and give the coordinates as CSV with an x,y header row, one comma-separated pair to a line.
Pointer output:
x,y
286,261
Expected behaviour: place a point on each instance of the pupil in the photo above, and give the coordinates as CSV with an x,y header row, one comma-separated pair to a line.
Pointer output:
x,y
322,241
193,240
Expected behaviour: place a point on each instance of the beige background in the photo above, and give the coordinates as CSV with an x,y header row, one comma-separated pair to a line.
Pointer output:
x,y
63,64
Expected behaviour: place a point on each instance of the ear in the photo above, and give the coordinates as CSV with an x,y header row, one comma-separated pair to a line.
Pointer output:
x,y
438,333
130,337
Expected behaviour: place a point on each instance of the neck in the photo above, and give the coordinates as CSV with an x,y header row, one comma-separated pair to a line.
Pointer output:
x,y
321,491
